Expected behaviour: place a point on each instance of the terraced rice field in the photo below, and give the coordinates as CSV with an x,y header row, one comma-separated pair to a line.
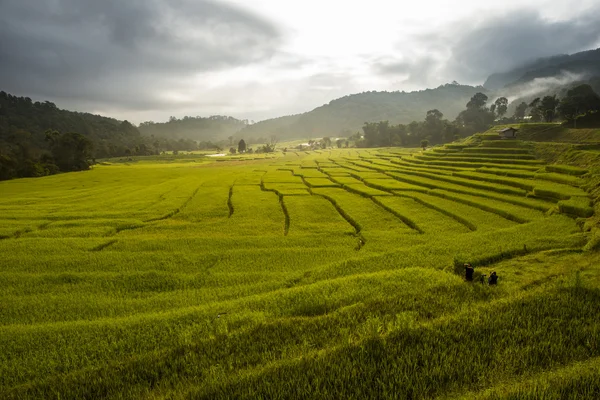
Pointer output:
x,y
330,274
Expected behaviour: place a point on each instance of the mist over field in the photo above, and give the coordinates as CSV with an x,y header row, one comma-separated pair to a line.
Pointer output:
x,y
218,199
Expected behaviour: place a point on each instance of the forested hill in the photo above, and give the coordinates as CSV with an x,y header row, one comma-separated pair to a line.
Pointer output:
x,y
214,128
585,64
23,123
348,114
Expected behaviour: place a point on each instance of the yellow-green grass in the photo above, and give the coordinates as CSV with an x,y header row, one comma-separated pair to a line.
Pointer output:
x,y
516,173
526,184
368,217
580,206
436,168
471,164
505,157
345,180
560,178
197,281
509,211
392,184
474,217
494,187
320,182
496,150
364,190
566,169
431,183
425,219
481,158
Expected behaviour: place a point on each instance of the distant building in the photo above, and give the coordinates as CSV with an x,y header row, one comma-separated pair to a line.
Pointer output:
x,y
508,133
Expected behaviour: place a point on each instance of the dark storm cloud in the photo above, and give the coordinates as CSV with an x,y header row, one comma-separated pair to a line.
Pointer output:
x,y
416,70
473,49
123,51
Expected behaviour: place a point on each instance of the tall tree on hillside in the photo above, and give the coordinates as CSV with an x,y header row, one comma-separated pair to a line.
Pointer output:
x,y
579,102
242,146
501,104
520,111
71,151
477,117
534,111
371,134
477,101
433,125
547,108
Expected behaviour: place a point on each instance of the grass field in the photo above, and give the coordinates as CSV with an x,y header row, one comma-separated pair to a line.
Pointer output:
x,y
329,274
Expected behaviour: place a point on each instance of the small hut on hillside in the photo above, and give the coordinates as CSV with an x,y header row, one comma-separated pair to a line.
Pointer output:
x,y
508,133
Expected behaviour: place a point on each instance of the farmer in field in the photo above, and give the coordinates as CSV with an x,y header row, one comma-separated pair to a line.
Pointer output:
x,y
469,272
493,279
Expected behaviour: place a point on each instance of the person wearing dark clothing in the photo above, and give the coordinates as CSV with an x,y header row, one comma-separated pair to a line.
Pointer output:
x,y
493,279
469,272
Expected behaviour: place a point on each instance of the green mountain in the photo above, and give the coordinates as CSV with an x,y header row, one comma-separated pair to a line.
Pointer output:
x,y
585,64
346,115
24,122
213,128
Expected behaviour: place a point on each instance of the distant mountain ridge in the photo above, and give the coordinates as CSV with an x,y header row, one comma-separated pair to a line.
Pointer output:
x,y
585,63
346,115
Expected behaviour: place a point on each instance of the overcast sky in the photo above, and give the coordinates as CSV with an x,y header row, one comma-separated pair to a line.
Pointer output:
x,y
148,59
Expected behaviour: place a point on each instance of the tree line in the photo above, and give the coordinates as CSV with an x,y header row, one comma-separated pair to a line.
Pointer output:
x,y
578,108
38,138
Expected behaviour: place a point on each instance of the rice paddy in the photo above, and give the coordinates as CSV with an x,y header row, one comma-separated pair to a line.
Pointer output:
x,y
330,274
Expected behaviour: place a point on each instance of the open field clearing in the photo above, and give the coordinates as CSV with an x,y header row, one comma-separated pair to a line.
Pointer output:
x,y
329,274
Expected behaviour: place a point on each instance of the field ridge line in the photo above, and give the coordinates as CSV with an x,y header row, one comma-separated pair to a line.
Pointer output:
x,y
361,240
229,202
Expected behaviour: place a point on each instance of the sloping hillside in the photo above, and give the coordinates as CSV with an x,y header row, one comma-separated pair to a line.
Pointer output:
x,y
585,63
552,133
347,115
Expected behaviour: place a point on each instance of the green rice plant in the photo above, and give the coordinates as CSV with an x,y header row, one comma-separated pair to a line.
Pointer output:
x,y
505,210
350,167
392,184
429,183
212,283
286,189
370,218
345,180
495,187
468,164
506,157
253,208
281,177
429,168
315,215
557,191
423,218
363,190
500,159
456,146
516,173
566,169
496,150
559,178
579,206
335,172
371,174
320,182
506,143
445,150
469,216
309,173
526,184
